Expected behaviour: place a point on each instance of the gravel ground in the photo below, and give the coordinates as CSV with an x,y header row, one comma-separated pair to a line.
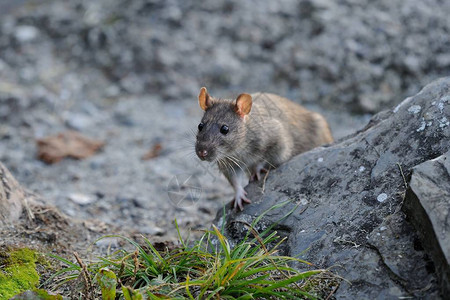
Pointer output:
x,y
128,73
357,55
120,187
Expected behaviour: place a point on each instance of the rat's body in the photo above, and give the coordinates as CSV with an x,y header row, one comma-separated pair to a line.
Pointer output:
x,y
247,135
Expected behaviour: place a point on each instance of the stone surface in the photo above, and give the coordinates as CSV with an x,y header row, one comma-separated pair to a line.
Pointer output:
x,y
12,197
428,206
350,196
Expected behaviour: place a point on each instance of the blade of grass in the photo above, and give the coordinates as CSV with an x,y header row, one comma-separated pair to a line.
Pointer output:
x,y
67,262
230,276
268,268
188,292
154,251
279,220
180,238
223,242
215,293
293,279
276,206
142,252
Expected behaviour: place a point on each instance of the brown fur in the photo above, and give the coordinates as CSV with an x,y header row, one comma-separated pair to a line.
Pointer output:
x,y
265,130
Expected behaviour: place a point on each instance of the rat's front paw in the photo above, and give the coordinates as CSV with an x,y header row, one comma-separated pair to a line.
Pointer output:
x,y
257,173
241,195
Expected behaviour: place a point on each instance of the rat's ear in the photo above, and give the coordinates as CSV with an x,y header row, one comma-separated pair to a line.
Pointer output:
x,y
204,99
243,105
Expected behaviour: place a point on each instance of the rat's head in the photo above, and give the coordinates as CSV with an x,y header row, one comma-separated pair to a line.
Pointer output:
x,y
223,126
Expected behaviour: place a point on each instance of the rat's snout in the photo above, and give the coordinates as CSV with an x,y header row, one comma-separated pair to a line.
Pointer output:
x,y
202,154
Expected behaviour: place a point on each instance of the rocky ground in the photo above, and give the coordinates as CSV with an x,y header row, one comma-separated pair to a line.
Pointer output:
x,y
127,73
374,207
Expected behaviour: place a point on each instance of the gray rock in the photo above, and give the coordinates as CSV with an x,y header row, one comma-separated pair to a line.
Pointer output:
x,y
349,197
393,240
428,206
12,197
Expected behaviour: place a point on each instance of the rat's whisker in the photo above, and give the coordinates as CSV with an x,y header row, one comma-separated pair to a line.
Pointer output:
x,y
226,165
190,154
237,162
260,158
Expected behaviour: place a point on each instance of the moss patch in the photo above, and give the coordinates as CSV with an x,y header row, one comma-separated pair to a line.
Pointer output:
x,y
17,272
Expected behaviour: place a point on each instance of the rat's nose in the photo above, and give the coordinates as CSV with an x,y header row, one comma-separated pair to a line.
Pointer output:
x,y
202,154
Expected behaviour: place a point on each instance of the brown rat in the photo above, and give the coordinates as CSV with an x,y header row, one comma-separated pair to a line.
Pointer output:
x,y
247,135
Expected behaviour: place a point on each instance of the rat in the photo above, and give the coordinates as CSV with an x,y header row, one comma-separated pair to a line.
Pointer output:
x,y
247,135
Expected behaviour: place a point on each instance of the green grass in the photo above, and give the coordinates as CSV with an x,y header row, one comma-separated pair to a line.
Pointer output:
x,y
209,268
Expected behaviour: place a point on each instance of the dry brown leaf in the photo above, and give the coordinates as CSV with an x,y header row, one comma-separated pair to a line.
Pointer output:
x,y
72,144
154,152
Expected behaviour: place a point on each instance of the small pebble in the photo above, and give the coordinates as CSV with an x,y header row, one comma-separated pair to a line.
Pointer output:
x,y
382,197
81,199
26,33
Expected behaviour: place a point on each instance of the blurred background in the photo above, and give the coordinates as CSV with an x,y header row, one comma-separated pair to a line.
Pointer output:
x,y
128,73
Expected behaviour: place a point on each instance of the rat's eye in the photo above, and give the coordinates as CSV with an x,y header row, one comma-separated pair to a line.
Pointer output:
x,y
224,129
200,126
